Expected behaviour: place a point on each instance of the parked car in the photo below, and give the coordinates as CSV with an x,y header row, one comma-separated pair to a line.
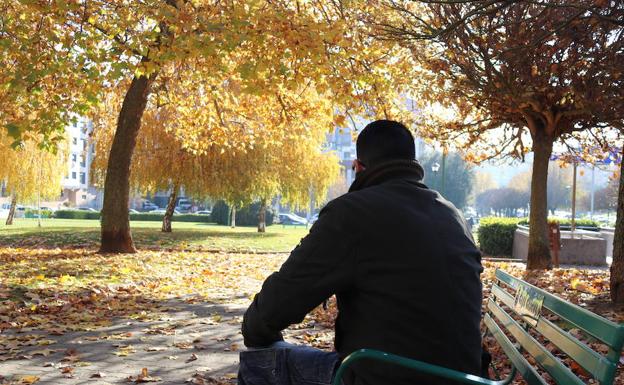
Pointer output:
x,y
291,219
204,212
132,211
149,206
314,218
87,209
184,205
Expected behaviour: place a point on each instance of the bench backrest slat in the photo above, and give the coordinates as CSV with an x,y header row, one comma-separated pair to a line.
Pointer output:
x,y
559,372
602,369
601,328
525,369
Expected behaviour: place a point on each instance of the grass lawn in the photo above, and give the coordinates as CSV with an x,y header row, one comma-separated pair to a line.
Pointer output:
x,y
84,233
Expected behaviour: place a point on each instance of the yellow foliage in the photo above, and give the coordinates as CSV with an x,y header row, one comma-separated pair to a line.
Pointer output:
x,y
31,171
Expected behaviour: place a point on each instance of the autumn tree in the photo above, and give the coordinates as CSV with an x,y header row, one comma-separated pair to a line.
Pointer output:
x,y
259,147
31,173
514,77
43,87
266,46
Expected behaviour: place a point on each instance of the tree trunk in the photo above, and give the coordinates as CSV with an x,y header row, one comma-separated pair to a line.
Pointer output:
x,y
116,236
617,266
539,250
233,217
9,220
262,216
166,224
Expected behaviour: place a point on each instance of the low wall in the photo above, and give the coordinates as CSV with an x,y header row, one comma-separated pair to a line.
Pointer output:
x,y
585,248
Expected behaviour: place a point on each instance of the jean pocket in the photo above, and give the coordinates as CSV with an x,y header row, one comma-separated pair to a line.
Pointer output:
x,y
257,367
312,366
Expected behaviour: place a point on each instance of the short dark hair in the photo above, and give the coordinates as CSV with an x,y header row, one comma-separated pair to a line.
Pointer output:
x,y
384,140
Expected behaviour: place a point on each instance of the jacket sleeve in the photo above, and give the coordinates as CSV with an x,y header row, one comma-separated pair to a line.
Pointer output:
x,y
320,266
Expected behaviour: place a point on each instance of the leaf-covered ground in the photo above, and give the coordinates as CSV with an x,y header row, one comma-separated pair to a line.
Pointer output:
x,y
70,315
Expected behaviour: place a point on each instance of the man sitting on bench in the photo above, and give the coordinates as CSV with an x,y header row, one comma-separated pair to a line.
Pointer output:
x,y
403,267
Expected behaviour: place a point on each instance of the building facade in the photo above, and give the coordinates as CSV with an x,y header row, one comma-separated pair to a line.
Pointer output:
x,y
77,190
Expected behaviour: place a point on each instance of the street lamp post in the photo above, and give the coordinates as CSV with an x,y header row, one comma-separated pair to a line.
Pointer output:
x,y
435,167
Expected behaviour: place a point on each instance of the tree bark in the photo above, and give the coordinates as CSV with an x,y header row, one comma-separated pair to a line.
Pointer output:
x,y
166,224
233,217
115,235
617,266
539,250
262,216
9,220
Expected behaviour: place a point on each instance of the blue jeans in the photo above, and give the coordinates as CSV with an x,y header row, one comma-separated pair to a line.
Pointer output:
x,y
286,364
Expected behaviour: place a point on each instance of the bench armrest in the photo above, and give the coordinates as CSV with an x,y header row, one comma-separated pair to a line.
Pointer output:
x,y
418,366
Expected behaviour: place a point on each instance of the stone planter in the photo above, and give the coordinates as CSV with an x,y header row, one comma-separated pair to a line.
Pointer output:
x,y
608,234
580,248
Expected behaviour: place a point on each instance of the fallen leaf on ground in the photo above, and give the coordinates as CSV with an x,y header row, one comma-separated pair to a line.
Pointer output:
x,y
192,358
144,377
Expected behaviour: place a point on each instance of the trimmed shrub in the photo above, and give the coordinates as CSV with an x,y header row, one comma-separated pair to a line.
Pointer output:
x,y
76,214
564,222
34,213
496,235
176,217
220,213
247,216
79,214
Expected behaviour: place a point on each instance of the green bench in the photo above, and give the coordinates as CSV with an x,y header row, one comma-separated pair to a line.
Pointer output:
x,y
522,311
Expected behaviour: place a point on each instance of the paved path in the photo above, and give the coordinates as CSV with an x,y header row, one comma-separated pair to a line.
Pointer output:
x,y
196,339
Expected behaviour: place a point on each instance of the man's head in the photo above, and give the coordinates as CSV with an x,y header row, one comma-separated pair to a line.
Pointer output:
x,y
382,141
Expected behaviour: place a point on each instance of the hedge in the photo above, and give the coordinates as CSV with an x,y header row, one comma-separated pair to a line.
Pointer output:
x,y
79,214
34,213
496,235
76,214
564,222
247,216
175,218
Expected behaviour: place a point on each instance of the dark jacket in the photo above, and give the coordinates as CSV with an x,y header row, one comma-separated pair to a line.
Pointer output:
x,y
405,272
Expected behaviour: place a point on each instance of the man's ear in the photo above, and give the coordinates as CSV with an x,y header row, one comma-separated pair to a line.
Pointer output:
x,y
359,166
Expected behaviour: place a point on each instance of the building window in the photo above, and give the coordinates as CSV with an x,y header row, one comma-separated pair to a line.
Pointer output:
x,y
75,140
83,178
74,158
82,161
84,197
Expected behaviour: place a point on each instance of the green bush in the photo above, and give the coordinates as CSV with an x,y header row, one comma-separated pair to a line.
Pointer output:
x,y
79,214
34,213
76,214
176,217
220,212
496,235
247,216
563,222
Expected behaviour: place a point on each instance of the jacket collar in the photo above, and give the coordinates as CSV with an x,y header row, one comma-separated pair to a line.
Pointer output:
x,y
396,169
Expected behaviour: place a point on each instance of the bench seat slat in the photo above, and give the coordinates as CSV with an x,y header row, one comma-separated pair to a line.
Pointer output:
x,y
601,328
601,368
560,373
525,369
